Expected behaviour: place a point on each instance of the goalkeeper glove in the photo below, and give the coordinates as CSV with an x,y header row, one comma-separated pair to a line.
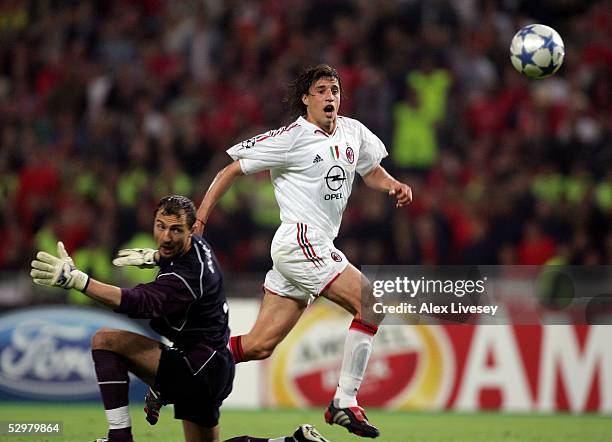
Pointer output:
x,y
58,271
143,258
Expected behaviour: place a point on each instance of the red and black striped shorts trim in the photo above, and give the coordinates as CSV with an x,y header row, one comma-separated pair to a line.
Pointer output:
x,y
307,248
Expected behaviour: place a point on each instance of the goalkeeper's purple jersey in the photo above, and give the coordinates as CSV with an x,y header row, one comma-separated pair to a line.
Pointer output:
x,y
186,303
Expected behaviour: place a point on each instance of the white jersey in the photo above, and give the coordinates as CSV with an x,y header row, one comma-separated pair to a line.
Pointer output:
x,y
312,171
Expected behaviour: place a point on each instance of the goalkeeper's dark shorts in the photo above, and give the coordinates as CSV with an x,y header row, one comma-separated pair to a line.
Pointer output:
x,y
196,381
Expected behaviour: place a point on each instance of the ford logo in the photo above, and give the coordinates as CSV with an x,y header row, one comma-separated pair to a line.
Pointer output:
x,y
45,352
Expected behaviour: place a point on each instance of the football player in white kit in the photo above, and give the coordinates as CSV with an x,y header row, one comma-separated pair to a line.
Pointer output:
x,y
312,163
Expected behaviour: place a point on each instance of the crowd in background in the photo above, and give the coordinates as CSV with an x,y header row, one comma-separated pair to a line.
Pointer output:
x,y
107,105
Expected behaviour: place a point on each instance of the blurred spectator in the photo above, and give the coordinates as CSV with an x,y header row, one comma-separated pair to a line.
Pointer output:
x,y
536,247
104,106
95,258
414,139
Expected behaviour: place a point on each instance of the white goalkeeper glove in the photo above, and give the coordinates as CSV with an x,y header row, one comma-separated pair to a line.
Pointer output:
x,y
58,271
143,258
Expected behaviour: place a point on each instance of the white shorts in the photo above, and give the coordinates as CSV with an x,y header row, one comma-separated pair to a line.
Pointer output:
x,y
305,262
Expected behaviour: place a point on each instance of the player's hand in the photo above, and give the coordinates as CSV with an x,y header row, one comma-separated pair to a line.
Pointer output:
x,y
58,271
143,258
402,193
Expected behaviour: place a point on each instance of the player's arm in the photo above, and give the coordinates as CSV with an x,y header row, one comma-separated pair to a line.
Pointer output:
x,y
107,294
380,179
162,296
157,298
219,186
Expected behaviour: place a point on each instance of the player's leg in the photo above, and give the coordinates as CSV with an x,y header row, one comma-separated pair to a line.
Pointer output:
x,y
277,316
283,302
140,353
115,352
352,291
197,433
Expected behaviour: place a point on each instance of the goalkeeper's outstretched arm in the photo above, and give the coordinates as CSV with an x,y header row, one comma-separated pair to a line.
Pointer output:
x,y
107,294
144,301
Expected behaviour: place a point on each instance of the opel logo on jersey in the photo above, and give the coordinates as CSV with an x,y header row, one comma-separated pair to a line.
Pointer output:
x,y
335,178
350,155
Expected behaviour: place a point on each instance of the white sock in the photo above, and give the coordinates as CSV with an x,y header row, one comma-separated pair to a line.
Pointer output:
x,y
357,350
118,418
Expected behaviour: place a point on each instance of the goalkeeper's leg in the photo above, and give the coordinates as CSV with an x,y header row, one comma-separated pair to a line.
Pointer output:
x,y
113,354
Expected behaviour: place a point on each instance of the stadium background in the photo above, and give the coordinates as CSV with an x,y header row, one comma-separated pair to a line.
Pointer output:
x,y
107,105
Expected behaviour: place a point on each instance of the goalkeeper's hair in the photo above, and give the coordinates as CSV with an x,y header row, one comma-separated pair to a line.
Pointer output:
x,y
300,86
177,205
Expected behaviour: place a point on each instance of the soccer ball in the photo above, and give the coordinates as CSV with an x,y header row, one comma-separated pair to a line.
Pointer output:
x,y
537,51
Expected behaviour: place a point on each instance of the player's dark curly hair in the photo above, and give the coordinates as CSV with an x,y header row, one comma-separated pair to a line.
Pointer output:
x,y
300,86
177,205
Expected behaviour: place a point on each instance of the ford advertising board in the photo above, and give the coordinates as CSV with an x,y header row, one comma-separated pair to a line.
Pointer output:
x,y
45,353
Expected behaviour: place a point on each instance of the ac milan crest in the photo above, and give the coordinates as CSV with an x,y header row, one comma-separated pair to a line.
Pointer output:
x,y
350,155
336,257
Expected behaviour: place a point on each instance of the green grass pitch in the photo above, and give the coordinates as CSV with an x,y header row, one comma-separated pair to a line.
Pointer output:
x,y
86,422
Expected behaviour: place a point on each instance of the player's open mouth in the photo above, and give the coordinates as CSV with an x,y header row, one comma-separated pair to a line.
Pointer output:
x,y
329,109
166,249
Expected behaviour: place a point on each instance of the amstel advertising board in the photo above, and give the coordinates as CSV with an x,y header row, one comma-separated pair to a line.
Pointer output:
x,y
458,367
